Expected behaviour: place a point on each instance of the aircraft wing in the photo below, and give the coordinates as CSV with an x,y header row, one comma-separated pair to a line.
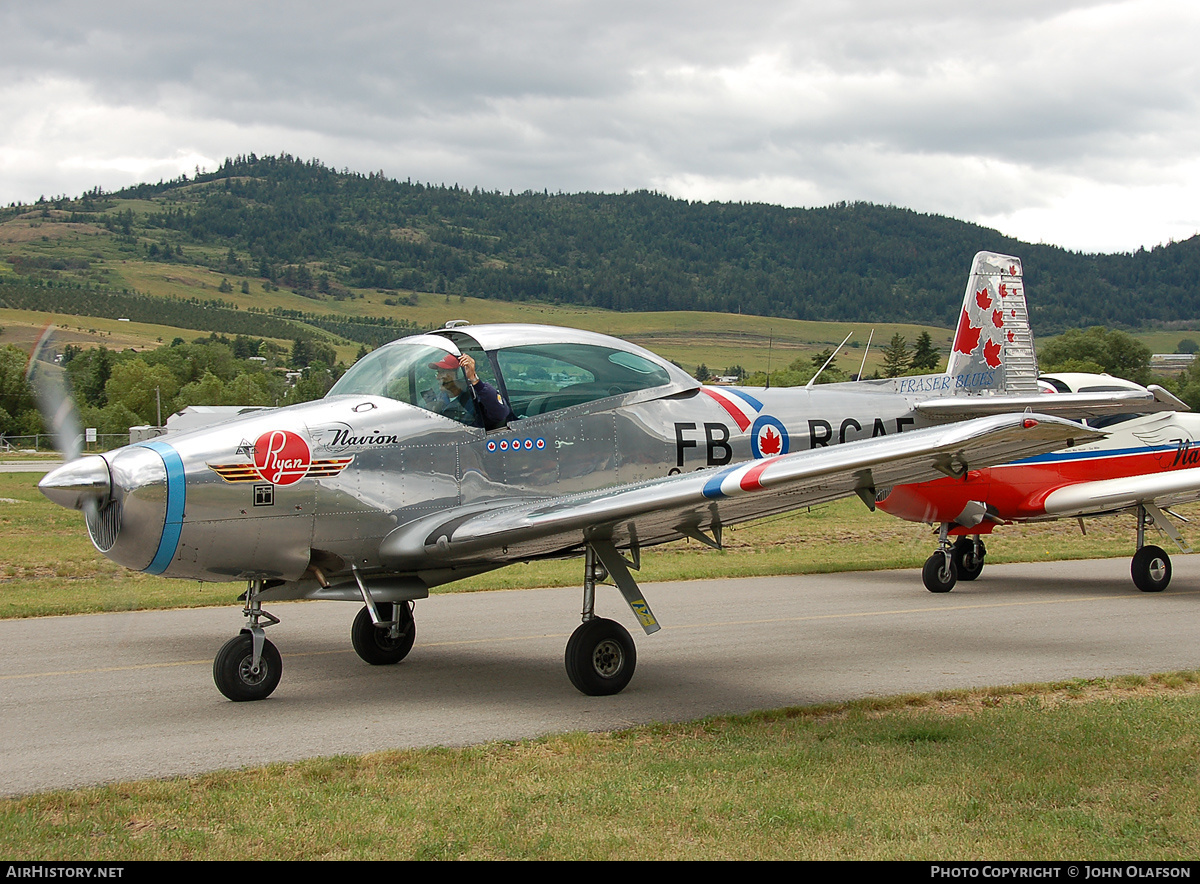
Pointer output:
x,y
1075,406
690,504
1106,495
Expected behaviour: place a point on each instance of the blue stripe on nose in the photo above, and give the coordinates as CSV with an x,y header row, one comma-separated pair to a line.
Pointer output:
x,y
176,497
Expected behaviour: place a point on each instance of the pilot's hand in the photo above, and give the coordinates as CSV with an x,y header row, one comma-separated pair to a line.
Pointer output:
x,y
468,366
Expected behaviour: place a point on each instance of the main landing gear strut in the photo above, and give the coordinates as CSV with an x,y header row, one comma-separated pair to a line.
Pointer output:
x,y
601,655
383,633
1151,566
961,560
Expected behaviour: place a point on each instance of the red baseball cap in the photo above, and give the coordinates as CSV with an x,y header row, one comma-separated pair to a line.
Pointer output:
x,y
449,363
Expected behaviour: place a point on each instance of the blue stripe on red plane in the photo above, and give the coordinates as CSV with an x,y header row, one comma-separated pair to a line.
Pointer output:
x,y
1061,456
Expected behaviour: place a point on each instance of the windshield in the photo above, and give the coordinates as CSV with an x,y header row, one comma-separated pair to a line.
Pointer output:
x,y
403,371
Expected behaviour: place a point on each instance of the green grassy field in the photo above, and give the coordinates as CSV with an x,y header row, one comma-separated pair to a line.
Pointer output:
x,y
716,340
1104,770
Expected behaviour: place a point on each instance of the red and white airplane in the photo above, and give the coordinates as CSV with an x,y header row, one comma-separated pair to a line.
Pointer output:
x,y
1146,464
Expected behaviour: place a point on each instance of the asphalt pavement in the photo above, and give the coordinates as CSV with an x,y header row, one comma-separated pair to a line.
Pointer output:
x,y
108,697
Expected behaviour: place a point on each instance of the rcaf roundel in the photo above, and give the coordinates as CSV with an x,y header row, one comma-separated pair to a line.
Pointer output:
x,y
769,437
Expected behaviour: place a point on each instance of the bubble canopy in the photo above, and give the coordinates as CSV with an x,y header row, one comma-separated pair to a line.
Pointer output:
x,y
537,368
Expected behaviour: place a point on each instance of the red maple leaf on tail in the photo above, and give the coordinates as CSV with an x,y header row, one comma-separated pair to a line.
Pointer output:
x,y
966,339
991,354
998,318
983,299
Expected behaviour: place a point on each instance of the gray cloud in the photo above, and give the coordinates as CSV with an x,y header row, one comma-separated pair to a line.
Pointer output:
x,y
1011,113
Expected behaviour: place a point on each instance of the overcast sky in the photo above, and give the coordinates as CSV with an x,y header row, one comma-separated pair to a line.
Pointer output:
x,y
1075,123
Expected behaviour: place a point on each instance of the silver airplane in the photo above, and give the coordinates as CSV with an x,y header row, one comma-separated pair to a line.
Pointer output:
x,y
393,483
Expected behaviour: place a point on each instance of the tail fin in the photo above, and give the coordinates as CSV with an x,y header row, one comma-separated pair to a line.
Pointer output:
x,y
993,346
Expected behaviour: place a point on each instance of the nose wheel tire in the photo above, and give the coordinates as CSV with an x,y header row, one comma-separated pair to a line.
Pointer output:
x,y
938,573
600,657
1151,569
375,644
235,674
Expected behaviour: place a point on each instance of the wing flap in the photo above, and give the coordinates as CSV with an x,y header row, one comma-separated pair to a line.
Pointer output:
x,y
666,509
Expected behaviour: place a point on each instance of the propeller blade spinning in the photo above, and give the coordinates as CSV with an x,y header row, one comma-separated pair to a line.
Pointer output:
x,y
82,483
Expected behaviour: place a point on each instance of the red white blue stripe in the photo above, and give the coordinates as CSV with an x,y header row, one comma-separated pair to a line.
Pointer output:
x,y
738,480
740,406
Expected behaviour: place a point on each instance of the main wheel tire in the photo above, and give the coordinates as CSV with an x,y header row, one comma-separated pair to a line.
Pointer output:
x,y
938,573
374,645
1151,569
968,559
601,657
234,674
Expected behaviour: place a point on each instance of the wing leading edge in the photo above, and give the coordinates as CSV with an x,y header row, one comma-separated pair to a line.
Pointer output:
x,y
691,503
1067,405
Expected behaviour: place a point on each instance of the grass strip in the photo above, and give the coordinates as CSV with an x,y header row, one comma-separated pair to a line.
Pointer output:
x,y
1103,769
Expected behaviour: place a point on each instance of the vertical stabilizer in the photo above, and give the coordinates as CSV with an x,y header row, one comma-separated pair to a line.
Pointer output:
x,y
993,345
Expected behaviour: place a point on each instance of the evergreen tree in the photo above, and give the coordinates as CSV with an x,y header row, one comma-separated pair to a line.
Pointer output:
x,y
896,359
925,357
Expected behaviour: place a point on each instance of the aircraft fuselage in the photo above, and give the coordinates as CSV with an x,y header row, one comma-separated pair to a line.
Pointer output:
x,y
271,493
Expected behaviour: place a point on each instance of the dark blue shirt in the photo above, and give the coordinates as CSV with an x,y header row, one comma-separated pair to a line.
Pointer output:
x,y
485,407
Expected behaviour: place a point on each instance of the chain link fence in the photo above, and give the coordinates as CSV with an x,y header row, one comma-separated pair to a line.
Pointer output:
x,y
45,442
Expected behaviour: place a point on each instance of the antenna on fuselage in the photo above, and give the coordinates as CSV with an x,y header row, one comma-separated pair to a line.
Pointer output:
x,y
863,367
813,379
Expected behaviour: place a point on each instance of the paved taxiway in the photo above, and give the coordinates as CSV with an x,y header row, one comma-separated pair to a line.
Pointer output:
x,y
109,697
28,466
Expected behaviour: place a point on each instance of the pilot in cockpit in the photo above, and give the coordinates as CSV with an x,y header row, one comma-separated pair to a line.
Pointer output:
x,y
479,404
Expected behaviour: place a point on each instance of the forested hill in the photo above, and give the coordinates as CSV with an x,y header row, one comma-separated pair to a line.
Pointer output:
x,y
315,229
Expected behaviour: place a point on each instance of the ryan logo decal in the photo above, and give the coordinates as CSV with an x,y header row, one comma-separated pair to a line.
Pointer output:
x,y
280,457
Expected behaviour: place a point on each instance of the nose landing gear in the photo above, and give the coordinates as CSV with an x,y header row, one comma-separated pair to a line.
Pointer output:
x,y
248,666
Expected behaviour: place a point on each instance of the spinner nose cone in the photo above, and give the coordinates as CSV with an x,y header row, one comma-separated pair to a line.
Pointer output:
x,y
75,483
